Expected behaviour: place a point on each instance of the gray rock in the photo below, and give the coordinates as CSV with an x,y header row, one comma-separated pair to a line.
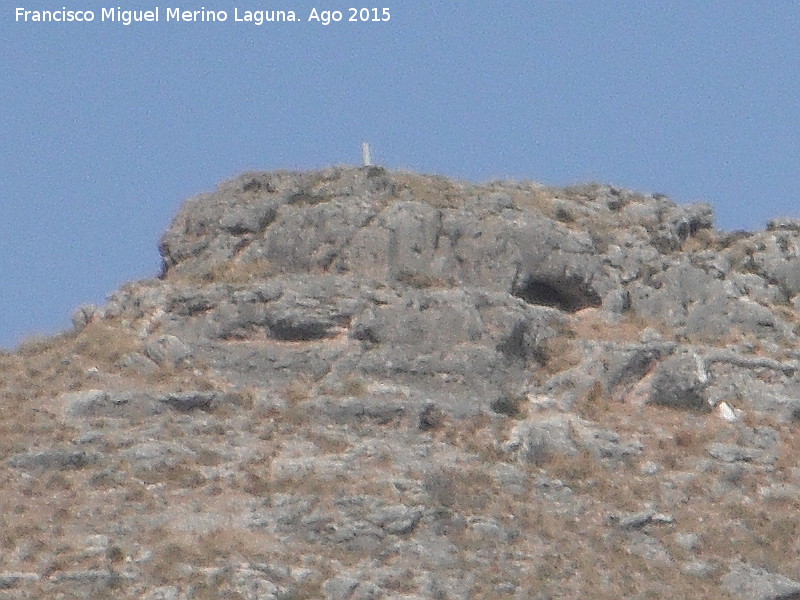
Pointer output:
x,y
167,350
88,403
12,580
735,453
116,404
189,401
253,584
716,317
97,543
358,410
636,520
538,442
699,569
687,541
774,258
138,363
152,455
681,382
340,588
167,592
649,548
347,588
511,478
83,316
410,241
650,468
607,445
785,224
397,519
752,583
96,578
488,530
53,459
432,383
781,492
628,364
430,417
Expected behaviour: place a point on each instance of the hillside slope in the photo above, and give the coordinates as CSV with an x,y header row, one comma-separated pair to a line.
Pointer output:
x,y
364,384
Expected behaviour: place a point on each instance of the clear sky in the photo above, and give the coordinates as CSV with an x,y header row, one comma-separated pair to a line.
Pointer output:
x,y
107,128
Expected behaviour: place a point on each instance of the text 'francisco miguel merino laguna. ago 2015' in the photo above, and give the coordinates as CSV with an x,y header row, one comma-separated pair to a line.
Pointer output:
x,y
202,15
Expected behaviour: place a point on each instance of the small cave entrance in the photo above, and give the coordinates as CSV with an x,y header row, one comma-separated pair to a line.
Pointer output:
x,y
291,330
570,294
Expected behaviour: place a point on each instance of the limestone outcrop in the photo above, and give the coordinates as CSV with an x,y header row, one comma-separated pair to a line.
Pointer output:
x,y
360,383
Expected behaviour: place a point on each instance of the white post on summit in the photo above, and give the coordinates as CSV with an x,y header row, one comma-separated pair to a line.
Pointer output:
x,y
365,154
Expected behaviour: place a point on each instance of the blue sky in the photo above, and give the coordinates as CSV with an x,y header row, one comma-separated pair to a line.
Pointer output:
x,y
106,129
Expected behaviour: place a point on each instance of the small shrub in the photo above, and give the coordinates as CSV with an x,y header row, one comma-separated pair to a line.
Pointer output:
x,y
422,281
179,475
242,272
115,555
563,215
354,386
298,390
430,418
255,485
595,403
166,564
467,490
557,354
328,444
441,487
509,405
582,468
685,439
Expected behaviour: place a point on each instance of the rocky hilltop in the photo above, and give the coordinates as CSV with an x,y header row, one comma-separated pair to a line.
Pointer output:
x,y
365,384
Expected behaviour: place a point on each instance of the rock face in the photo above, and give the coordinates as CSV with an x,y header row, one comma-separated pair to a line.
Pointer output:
x,y
362,383
418,277
745,581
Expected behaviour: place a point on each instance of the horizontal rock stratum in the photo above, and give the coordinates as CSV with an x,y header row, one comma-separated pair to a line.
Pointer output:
x,y
362,383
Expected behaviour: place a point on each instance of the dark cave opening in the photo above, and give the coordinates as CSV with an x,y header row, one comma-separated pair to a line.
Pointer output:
x,y
289,330
569,295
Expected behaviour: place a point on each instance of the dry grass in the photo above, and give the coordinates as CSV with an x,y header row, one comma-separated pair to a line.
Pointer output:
x,y
329,443
595,404
536,199
47,367
593,324
701,241
560,353
104,343
422,281
468,490
436,191
581,471
352,386
545,546
299,390
546,551
242,272
181,475
476,436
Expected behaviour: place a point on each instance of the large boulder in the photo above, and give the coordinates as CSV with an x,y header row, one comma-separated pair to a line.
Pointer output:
x,y
681,382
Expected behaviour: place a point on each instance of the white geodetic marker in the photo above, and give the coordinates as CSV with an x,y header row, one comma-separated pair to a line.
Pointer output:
x,y
365,154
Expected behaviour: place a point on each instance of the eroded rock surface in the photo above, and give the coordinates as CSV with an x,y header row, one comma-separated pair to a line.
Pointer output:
x,y
358,383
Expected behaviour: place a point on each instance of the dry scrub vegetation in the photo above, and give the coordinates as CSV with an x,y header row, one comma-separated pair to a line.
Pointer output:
x,y
504,535
182,523
283,487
